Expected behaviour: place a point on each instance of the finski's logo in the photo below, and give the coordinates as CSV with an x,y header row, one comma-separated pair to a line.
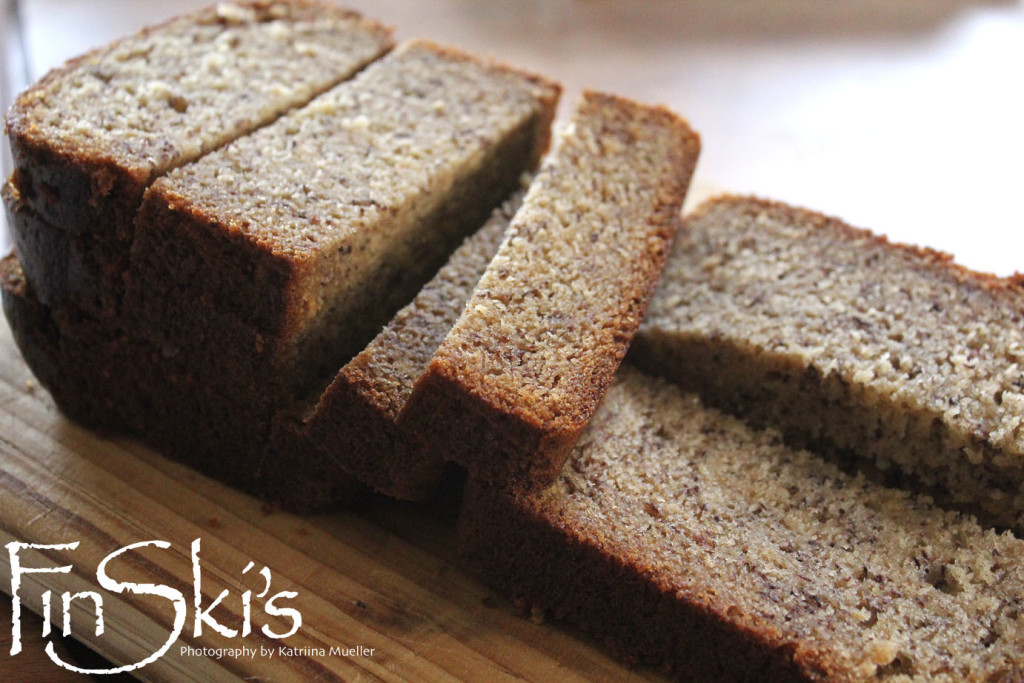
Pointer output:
x,y
202,616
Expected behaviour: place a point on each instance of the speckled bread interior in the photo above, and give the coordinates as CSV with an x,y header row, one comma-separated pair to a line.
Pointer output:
x,y
853,345
209,375
92,135
372,388
522,370
680,536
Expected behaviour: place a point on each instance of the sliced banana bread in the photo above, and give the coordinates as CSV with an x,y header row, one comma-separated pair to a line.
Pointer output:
x,y
313,231
682,537
850,344
354,422
523,369
92,135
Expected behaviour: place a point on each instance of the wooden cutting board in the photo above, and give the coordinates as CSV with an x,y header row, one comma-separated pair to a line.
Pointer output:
x,y
385,578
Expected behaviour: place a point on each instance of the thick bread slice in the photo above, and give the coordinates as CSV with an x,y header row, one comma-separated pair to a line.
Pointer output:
x,y
682,537
354,421
90,137
520,374
850,344
313,231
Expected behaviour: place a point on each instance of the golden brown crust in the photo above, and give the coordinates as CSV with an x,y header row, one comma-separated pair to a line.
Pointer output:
x,y
494,443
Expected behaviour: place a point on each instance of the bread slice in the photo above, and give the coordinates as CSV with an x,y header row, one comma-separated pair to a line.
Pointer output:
x,y
91,136
354,421
508,392
850,344
304,458
680,536
310,233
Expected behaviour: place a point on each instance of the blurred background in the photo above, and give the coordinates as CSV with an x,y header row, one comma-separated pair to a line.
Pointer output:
x,y
904,117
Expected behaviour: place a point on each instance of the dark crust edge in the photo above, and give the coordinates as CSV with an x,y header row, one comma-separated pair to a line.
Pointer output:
x,y
84,365
379,453
544,559
297,476
63,266
494,444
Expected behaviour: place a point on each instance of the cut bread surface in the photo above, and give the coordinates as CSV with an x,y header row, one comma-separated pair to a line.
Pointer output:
x,y
312,231
247,290
850,344
681,536
522,370
355,419
131,111
91,136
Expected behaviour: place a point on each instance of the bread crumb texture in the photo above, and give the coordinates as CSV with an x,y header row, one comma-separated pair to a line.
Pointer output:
x,y
385,372
172,92
352,189
878,348
385,144
855,580
553,314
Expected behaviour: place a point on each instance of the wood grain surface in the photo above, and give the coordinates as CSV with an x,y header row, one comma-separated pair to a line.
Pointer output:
x,y
385,577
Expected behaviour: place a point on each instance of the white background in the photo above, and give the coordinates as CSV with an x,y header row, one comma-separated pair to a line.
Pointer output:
x,y
903,116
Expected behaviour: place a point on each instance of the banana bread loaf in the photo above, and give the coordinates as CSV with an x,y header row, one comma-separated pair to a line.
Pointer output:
x,y
310,233
682,537
354,422
523,369
852,345
92,135
119,383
